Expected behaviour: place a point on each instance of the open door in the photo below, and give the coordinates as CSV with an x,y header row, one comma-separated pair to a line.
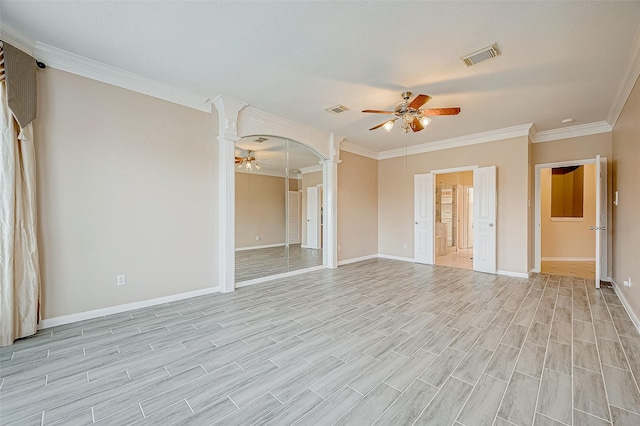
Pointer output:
x,y
484,217
313,218
601,219
423,213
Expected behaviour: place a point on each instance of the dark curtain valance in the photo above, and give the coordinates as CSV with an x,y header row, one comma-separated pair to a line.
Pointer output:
x,y
20,77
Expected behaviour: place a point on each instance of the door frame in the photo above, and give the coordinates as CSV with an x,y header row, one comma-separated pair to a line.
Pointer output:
x,y
538,208
433,175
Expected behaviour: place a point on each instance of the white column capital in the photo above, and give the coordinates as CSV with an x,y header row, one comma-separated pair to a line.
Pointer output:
x,y
228,110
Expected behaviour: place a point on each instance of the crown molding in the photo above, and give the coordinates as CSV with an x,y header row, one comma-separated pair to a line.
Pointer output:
x,y
477,138
311,169
358,150
573,131
84,67
17,39
628,81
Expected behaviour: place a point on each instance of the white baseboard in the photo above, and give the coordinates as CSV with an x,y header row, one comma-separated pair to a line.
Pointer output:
x,y
627,307
512,274
81,316
357,259
259,247
534,271
569,259
278,276
404,259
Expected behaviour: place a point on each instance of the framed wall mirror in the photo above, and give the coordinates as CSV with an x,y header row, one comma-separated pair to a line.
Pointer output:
x,y
278,210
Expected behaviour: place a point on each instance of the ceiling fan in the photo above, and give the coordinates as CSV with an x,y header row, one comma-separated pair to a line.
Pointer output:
x,y
248,162
410,113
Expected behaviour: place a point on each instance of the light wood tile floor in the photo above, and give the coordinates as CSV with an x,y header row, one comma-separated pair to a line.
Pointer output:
x,y
377,342
258,263
585,270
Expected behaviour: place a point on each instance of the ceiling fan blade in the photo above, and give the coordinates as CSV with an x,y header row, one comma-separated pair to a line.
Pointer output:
x,y
375,111
419,101
416,125
381,124
440,111
239,160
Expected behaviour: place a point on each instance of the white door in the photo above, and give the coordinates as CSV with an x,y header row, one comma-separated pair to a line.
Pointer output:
x,y
601,219
424,237
293,217
484,219
313,216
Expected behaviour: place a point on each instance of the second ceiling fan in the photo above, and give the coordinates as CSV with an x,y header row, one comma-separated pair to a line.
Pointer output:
x,y
410,113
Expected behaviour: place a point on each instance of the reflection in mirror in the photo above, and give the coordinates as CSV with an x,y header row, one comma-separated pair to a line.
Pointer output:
x,y
567,191
278,226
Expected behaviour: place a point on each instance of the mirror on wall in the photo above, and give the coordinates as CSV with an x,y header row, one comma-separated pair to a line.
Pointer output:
x,y
278,210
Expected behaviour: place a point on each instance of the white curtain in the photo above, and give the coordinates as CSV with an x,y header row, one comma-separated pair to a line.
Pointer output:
x,y
19,267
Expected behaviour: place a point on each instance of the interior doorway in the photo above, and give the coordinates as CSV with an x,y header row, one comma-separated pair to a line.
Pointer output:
x,y
454,219
484,207
571,219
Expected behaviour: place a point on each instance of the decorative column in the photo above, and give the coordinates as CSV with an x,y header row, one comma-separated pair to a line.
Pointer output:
x,y
330,210
228,110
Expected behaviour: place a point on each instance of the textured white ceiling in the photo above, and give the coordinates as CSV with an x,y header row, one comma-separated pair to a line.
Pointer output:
x,y
294,59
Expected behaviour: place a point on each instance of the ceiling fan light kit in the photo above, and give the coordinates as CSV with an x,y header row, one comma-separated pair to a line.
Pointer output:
x,y
248,162
413,118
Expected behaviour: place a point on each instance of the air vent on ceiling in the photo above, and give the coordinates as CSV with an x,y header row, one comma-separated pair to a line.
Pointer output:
x,y
482,55
260,139
337,109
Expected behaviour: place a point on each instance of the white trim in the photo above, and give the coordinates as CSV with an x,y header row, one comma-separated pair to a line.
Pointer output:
x,y
572,132
454,170
628,81
534,271
357,259
569,259
81,316
17,39
75,64
311,169
260,247
403,259
512,274
278,276
358,150
625,304
567,219
477,138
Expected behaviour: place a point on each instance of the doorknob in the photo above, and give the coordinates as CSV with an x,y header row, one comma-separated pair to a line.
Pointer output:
x,y
491,224
416,223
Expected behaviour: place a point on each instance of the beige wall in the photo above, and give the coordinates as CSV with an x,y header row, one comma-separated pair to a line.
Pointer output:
x,y
568,239
395,196
357,206
127,184
626,171
260,210
308,179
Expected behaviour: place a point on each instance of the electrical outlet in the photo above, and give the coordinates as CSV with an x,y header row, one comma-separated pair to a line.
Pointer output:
x,y
626,283
405,245
257,237
121,280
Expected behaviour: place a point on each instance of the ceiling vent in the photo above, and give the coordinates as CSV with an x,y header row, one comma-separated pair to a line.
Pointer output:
x,y
337,109
482,55
260,140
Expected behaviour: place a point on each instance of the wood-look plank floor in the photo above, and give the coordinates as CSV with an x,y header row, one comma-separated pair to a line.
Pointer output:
x,y
377,342
265,262
586,270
